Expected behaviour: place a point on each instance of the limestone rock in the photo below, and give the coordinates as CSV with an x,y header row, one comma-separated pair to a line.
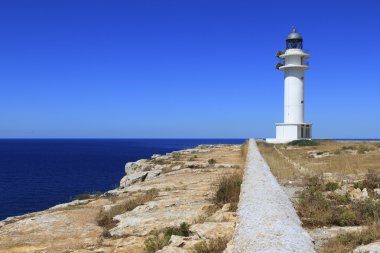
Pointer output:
x,y
131,167
133,178
70,204
224,165
183,196
229,248
195,165
221,216
358,194
153,173
213,230
340,191
226,207
176,241
369,248
130,244
172,249
176,167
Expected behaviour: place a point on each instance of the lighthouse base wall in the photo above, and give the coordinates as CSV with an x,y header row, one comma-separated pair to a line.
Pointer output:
x,y
287,132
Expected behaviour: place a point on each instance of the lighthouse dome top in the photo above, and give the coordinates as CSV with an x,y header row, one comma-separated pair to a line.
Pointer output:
x,y
294,40
294,35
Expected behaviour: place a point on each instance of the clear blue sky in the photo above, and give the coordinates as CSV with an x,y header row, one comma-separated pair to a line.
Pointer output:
x,y
88,68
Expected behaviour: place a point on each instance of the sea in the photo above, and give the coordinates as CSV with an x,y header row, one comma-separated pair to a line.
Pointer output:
x,y
36,174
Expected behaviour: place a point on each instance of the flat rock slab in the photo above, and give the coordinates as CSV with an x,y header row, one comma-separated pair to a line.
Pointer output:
x,y
267,221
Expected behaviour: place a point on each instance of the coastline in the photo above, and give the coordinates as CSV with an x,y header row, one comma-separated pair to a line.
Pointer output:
x,y
183,183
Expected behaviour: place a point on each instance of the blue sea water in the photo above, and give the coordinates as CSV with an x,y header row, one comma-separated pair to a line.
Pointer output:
x,y
36,174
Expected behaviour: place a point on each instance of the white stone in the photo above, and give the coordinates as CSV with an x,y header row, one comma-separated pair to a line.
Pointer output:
x,y
177,167
267,221
154,173
195,165
213,230
72,203
369,248
226,207
176,241
171,249
130,167
133,178
365,194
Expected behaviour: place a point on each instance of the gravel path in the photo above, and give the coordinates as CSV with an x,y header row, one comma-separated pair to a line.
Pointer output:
x,y
267,221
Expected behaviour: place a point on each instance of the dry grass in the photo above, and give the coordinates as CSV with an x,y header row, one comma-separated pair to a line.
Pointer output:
x,y
318,208
282,169
229,190
342,157
160,238
228,185
105,218
244,151
217,245
349,241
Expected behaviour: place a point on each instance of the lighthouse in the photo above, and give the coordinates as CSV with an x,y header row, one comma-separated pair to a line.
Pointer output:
x,y
293,64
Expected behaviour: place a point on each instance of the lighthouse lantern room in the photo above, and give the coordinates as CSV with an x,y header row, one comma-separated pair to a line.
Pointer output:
x,y
293,64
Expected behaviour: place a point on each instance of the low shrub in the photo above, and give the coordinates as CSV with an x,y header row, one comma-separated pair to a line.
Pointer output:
x,y
229,190
160,238
371,182
303,143
340,199
217,245
344,217
362,149
367,211
316,208
348,148
211,161
331,186
176,155
347,242
84,196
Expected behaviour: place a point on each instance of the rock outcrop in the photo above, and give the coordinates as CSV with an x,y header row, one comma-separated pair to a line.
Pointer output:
x,y
184,184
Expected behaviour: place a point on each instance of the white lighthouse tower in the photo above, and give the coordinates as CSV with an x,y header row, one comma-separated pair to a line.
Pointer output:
x,y
292,62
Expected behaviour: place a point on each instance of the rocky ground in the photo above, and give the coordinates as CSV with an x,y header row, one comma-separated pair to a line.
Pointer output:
x,y
157,193
343,167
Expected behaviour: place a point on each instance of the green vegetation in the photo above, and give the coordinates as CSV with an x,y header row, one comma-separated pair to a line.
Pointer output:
x,y
303,143
348,148
347,242
160,238
371,182
84,196
337,152
317,208
176,155
331,186
211,161
217,245
363,150
105,218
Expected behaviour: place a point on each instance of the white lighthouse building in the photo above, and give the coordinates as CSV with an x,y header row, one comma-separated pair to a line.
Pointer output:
x,y
293,64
